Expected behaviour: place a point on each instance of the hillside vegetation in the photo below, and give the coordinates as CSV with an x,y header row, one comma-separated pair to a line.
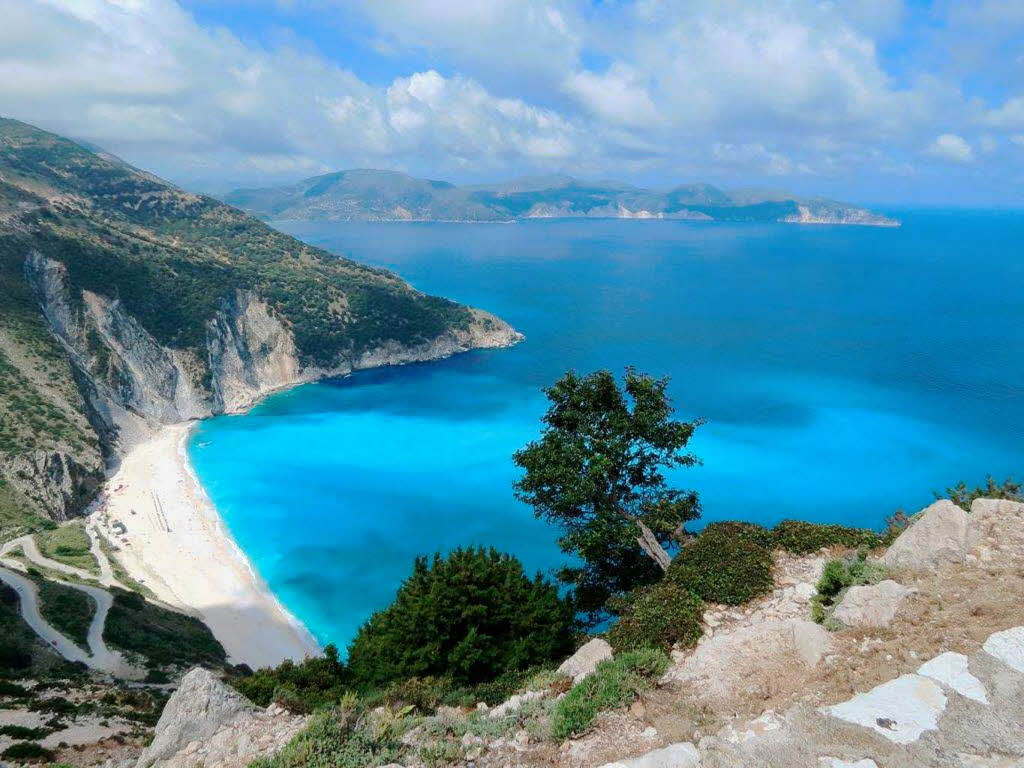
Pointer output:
x,y
174,263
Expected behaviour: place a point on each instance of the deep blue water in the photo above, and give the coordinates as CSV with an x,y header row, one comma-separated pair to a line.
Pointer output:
x,y
844,372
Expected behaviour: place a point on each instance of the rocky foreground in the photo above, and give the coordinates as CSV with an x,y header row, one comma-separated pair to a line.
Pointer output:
x,y
924,668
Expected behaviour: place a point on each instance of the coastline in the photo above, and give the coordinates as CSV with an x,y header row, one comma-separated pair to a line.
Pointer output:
x,y
176,544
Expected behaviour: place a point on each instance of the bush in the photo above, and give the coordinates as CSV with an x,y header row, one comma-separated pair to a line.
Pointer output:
x,y
962,496
658,617
338,739
21,733
27,752
311,684
837,577
614,683
471,616
161,636
726,563
802,538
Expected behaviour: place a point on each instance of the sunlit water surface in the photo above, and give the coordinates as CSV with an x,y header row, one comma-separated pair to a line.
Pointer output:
x,y
843,372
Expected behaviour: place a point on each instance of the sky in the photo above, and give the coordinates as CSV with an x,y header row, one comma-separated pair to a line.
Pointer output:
x,y
894,101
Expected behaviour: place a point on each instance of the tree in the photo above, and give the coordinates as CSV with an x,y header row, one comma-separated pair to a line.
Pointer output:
x,y
598,473
471,616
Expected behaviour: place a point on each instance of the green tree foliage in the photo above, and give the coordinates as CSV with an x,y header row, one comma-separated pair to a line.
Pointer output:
x,y
163,637
963,496
312,683
472,615
727,563
597,472
802,538
658,616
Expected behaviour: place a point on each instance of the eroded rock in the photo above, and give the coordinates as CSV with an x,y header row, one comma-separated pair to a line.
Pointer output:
x,y
206,723
585,660
681,755
769,654
951,670
1008,647
873,605
936,537
900,710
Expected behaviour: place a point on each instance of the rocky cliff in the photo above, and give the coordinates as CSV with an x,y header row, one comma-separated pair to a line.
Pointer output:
x,y
131,304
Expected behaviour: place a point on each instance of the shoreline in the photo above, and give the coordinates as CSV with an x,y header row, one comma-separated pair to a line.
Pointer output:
x,y
177,545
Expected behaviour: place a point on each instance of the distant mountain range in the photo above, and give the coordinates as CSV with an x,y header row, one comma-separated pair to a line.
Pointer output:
x,y
370,195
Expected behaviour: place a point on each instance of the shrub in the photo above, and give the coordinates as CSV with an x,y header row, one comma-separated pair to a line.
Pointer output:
x,y
837,577
962,496
162,636
802,538
21,733
471,616
311,684
27,752
339,739
727,563
614,683
658,616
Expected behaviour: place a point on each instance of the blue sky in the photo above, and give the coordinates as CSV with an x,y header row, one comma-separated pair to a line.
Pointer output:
x,y
897,101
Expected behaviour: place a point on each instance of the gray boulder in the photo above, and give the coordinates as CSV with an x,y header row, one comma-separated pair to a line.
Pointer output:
x,y
206,723
874,605
585,660
937,536
680,755
768,655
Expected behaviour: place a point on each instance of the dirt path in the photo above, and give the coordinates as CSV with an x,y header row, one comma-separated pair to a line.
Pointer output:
x,y
100,658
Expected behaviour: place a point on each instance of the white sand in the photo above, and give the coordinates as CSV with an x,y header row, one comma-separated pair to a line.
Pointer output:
x,y
177,546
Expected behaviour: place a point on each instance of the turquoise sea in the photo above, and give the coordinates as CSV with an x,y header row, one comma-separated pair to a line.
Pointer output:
x,y
844,372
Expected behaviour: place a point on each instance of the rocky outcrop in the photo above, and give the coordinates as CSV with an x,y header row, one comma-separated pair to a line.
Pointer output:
x,y
53,480
132,384
772,654
206,723
680,755
937,536
251,353
995,531
872,605
585,660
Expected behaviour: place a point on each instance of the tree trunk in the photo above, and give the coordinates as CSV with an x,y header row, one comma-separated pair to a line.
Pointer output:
x,y
649,544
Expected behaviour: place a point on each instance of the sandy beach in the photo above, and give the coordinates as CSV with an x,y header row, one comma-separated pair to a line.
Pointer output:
x,y
175,543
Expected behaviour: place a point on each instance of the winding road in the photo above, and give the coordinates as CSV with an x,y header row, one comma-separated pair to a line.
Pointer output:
x,y
100,658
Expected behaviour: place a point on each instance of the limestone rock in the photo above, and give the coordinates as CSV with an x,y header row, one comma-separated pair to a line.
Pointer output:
x,y
680,755
586,659
768,654
873,605
206,723
995,531
951,670
936,537
900,710
514,703
835,762
1007,647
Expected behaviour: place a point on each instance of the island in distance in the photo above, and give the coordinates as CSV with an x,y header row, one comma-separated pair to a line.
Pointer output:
x,y
373,195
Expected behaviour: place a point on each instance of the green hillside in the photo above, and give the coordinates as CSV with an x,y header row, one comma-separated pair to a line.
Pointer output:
x,y
172,259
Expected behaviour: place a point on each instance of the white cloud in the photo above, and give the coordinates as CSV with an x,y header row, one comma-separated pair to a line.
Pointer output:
x,y
951,148
618,95
741,91
1018,139
143,79
1009,115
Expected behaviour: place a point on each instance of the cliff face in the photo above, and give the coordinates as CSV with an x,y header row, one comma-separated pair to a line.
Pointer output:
x,y
133,384
128,304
